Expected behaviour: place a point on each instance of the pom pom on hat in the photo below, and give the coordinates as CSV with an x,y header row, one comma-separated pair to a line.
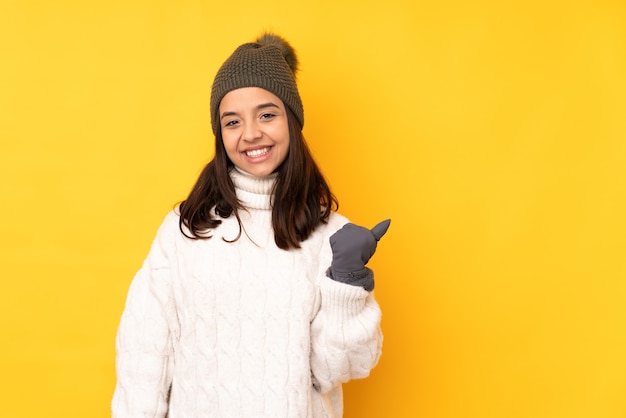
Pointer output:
x,y
269,63
287,50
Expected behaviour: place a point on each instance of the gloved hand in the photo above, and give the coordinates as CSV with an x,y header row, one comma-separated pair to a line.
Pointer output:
x,y
352,247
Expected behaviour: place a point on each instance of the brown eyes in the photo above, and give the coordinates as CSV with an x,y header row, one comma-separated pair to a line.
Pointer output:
x,y
264,116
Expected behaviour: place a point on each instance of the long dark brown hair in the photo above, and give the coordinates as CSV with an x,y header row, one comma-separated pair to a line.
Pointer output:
x,y
302,198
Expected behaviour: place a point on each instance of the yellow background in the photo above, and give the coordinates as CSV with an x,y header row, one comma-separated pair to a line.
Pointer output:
x,y
493,133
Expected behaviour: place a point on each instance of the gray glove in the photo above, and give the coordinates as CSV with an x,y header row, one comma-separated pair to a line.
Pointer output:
x,y
352,247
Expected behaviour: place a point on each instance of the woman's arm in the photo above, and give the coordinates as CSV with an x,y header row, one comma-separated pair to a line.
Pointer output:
x,y
346,335
144,343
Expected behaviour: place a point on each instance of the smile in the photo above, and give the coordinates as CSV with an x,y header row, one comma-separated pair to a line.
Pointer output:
x,y
257,152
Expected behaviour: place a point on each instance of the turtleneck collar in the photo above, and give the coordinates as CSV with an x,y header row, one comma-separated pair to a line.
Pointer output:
x,y
254,192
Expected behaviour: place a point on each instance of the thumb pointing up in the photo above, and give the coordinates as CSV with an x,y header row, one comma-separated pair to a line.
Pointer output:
x,y
379,230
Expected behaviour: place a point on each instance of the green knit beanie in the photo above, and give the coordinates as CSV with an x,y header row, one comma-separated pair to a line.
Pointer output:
x,y
269,63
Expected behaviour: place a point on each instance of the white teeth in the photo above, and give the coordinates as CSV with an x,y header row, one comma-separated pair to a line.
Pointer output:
x,y
257,152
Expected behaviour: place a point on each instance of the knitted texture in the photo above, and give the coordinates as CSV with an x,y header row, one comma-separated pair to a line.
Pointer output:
x,y
242,329
269,63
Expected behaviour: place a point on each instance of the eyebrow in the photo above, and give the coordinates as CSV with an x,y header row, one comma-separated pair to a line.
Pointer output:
x,y
259,107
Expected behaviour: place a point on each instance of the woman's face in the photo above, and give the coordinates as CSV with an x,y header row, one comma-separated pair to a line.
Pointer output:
x,y
254,130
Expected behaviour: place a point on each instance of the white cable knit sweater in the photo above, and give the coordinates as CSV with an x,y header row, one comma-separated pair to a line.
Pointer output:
x,y
242,329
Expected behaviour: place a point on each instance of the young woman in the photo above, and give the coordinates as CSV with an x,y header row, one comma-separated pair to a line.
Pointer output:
x,y
254,300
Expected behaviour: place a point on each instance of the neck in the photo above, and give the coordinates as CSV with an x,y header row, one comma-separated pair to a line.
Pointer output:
x,y
254,192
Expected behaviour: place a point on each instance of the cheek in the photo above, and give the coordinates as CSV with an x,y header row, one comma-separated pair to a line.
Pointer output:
x,y
282,141
230,145
283,137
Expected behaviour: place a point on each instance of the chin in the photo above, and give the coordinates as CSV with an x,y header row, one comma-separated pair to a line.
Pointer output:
x,y
259,172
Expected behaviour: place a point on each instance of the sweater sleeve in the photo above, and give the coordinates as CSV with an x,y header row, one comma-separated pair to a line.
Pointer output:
x,y
144,344
346,335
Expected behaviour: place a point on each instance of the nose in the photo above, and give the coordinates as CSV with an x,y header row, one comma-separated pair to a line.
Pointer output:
x,y
251,132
